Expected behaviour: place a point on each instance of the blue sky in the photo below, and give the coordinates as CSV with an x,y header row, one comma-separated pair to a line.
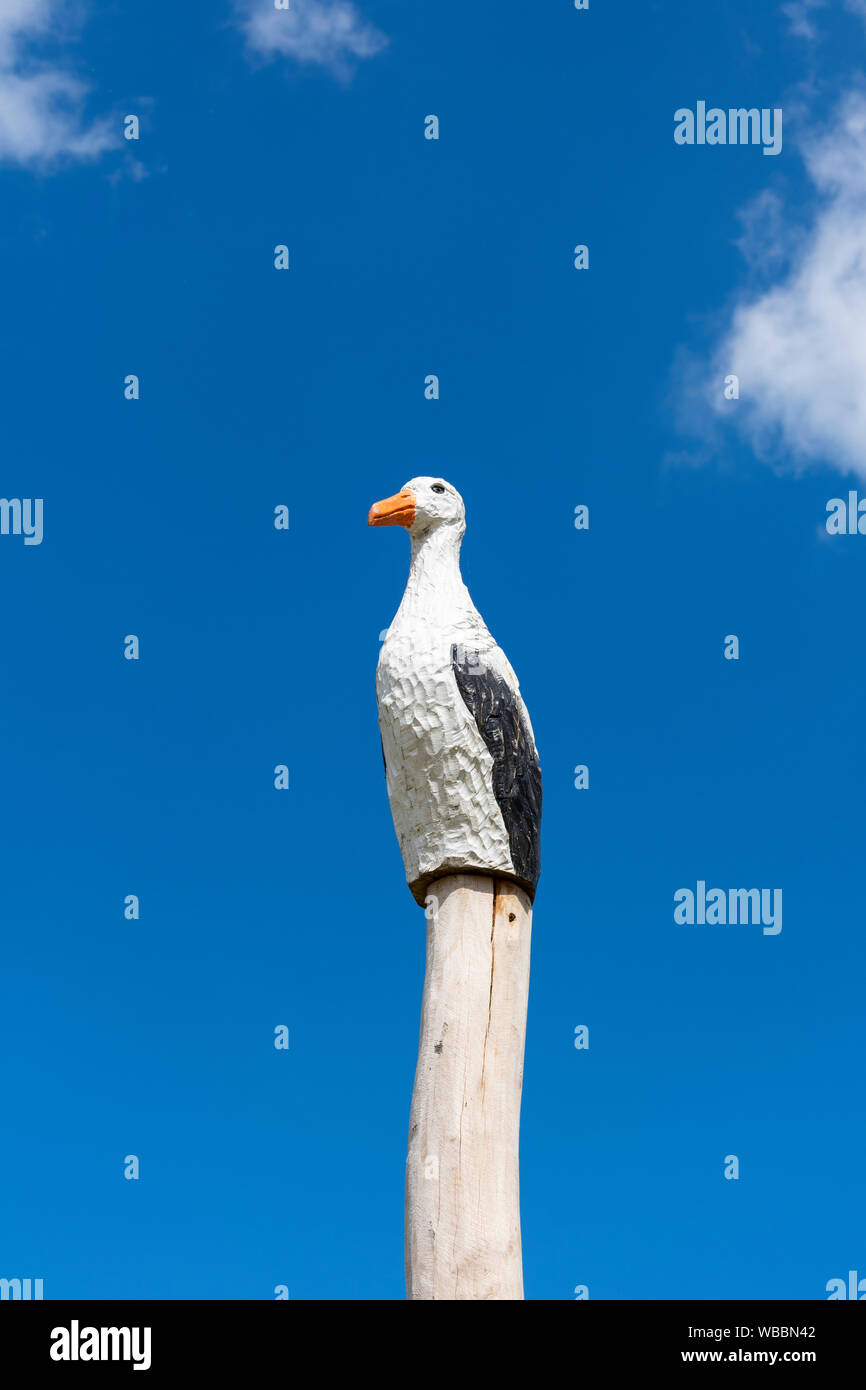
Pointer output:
x,y
306,388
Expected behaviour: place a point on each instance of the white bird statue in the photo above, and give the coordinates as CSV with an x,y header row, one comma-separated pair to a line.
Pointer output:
x,y
461,764
465,790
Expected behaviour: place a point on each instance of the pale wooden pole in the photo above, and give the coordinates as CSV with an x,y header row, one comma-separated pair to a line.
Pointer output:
x,y
462,1182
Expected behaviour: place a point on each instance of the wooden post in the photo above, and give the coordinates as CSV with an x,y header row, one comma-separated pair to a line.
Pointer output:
x,y
462,1184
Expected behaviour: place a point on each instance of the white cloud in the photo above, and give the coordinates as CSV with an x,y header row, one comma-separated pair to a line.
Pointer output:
x,y
767,239
331,33
799,347
798,14
41,102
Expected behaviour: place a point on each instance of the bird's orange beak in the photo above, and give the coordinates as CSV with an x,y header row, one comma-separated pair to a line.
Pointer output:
x,y
398,510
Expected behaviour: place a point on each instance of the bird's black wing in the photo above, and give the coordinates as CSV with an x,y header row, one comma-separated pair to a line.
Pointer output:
x,y
497,710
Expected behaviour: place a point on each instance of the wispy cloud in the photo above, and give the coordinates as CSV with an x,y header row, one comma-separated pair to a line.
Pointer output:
x,y
42,101
331,33
799,346
799,16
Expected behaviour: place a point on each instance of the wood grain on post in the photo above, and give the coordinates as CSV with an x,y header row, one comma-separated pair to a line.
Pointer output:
x,y
462,1179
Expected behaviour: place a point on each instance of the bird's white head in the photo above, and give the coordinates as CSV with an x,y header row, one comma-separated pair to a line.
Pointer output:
x,y
422,505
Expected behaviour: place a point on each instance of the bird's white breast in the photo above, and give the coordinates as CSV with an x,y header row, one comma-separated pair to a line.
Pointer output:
x,y
439,771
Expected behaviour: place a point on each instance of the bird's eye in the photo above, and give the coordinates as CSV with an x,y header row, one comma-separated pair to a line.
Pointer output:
x,y
437,487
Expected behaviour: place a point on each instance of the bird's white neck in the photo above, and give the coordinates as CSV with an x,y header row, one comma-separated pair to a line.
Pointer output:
x,y
435,591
